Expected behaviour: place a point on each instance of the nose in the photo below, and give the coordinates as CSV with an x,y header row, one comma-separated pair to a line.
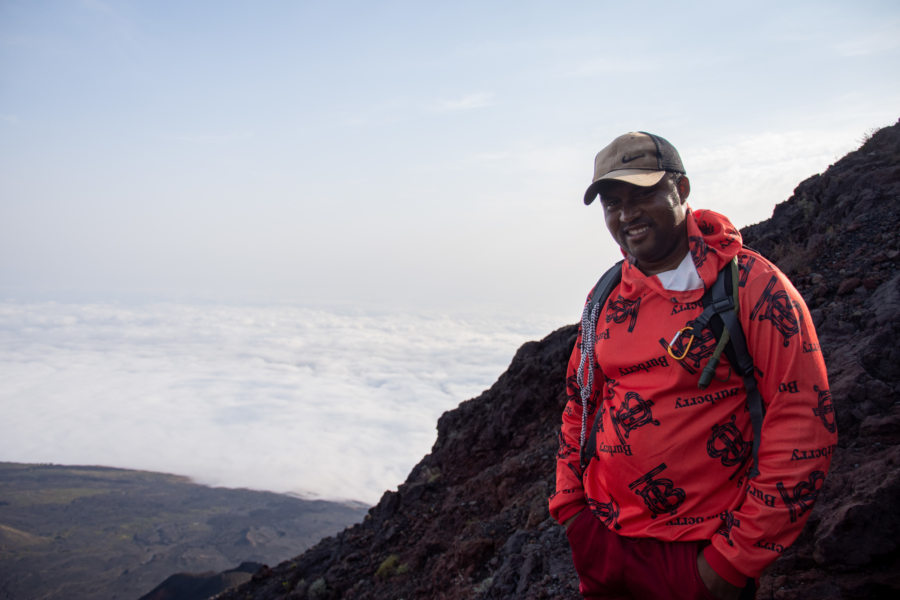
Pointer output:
x,y
629,212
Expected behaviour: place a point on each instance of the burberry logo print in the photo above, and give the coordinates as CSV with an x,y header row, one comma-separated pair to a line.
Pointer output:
x,y
659,493
825,410
777,307
699,250
634,412
608,512
727,444
801,498
621,310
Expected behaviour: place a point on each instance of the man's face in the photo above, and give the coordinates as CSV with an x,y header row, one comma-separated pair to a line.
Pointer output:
x,y
648,222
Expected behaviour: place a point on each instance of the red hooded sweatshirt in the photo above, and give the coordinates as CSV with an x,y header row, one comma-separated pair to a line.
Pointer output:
x,y
672,460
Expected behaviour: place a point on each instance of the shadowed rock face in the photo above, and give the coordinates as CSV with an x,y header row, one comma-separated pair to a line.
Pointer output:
x,y
186,586
471,520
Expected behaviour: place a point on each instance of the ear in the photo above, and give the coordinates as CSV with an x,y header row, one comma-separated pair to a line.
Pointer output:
x,y
684,188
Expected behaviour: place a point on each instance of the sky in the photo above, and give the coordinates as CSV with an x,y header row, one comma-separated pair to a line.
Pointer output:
x,y
397,154
189,188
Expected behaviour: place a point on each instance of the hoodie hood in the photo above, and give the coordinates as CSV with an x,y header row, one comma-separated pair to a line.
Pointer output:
x,y
712,240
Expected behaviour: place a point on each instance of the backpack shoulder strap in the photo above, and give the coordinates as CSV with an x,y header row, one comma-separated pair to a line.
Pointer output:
x,y
605,285
721,308
596,300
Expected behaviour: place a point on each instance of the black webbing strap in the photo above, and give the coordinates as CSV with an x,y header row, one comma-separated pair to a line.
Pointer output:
x,y
721,300
602,290
606,284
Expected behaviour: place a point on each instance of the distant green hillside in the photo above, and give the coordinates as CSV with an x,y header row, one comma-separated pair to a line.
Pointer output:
x,y
97,532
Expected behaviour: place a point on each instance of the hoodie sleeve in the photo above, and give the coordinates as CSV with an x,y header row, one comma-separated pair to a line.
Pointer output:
x,y
799,433
568,498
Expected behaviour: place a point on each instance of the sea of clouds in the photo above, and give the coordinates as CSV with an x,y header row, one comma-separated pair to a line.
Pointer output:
x,y
332,404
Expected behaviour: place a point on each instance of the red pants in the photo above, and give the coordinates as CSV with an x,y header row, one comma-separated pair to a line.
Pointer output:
x,y
611,567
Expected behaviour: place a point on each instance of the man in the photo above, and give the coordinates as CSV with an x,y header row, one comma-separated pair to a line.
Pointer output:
x,y
657,483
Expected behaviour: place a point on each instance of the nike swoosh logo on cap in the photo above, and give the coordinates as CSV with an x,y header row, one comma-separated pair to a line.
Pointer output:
x,y
628,159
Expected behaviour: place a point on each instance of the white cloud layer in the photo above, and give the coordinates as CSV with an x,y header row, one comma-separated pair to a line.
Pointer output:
x,y
338,405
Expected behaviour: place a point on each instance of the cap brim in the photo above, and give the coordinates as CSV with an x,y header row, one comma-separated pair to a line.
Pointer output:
x,y
640,177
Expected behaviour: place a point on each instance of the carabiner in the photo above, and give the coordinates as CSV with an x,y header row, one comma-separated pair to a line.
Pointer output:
x,y
687,347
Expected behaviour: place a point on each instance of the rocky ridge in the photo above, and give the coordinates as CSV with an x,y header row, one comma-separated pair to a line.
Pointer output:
x,y
471,519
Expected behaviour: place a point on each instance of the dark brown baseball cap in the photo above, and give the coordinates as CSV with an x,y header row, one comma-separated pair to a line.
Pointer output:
x,y
638,158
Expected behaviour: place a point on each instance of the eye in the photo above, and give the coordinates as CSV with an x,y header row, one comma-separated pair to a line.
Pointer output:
x,y
609,204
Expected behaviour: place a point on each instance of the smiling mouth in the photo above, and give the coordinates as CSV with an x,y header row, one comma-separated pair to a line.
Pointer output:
x,y
636,230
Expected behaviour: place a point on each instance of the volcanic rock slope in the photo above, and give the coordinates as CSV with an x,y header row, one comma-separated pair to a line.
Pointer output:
x,y
471,520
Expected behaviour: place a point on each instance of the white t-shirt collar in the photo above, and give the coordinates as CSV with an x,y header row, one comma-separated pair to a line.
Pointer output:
x,y
683,278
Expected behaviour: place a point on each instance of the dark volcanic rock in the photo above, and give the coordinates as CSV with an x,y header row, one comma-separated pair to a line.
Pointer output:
x,y
471,520
190,586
